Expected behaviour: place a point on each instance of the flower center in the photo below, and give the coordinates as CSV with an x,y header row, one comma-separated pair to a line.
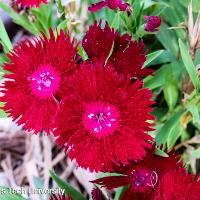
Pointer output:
x,y
144,178
44,81
101,119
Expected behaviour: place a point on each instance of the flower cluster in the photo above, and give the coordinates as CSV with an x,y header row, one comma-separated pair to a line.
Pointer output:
x,y
152,23
39,69
148,179
93,107
112,4
30,3
98,108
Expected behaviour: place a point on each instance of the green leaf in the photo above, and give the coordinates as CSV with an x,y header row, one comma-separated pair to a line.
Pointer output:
x,y
194,109
167,128
195,4
63,25
196,153
2,113
152,56
3,59
4,37
110,53
159,79
185,135
69,190
60,7
43,16
139,15
6,194
159,152
119,192
174,134
170,94
82,52
116,21
21,20
168,39
189,65
159,113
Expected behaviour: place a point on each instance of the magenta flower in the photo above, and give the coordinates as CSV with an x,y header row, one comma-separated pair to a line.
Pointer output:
x,y
104,119
36,83
141,178
97,194
127,56
152,23
31,3
112,4
178,185
59,197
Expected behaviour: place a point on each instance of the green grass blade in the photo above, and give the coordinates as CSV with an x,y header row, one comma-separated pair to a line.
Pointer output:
x,y
189,65
69,190
4,37
152,56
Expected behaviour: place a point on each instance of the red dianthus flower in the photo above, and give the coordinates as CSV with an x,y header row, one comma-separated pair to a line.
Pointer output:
x,y
31,3
152,23
97,194
38,73
106,47
141,177
59,197
104,119
112,4
178,185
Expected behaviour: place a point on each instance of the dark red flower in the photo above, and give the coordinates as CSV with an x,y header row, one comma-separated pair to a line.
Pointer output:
x,y
178,185
152,23
103,118
31,3
97,194
38,73
141,177
1,48
59,197
106,47
112,4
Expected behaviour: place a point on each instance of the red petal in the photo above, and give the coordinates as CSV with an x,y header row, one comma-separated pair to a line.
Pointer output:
x,y
31,3
97,6
98,42
112,182
128,57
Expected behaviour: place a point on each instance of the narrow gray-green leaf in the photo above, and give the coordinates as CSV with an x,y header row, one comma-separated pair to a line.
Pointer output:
x,y
116,21
152,56
2,113
194,109
189,65
159,152
21,20
4,37
82,52
63,25
118,193
174,134
171,94
168,39
163,134
159,79
196,153
69,190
